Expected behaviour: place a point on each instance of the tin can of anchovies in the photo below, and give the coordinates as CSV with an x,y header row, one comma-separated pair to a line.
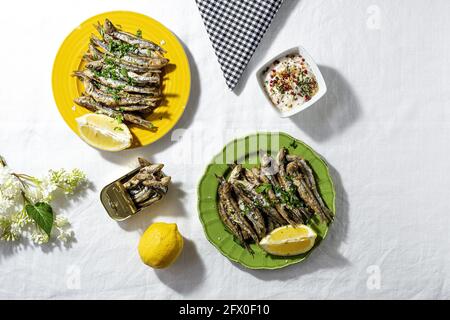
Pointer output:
x,y
118,202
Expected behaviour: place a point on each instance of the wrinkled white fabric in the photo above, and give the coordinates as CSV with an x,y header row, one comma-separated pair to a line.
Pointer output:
x,y
383,126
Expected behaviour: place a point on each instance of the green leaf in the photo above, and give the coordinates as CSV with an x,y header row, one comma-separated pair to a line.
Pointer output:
x,y
42,214
263,187
124,72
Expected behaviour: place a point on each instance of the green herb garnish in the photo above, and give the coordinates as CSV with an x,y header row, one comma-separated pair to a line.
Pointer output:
x,y
120,48
264,187
124,72
115,92
119,118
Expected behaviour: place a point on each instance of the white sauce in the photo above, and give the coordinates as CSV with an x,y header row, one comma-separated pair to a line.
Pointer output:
x,y
290,82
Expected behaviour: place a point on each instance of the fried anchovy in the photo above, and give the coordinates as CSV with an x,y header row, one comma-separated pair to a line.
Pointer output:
x,y
96,55
129,38
116,100
154,95
235,214
228,216
269,168
135,50
94,106
252,176
304,191
232,227
235,173
251,212
260,201
295,219
309,175
153,169
91,104
135,119
156,197
148,78
144,162
161,184
140,61
115,84
269,172
143,195
143,174
287,185
147,62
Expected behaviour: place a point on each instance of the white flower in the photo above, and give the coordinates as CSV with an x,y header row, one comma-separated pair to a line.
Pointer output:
x,y
17,189
62,226
34,194
5,204
10,186
39,237
61,221
68,181
65,236
16,228
5,174
8,230
10,192
47,188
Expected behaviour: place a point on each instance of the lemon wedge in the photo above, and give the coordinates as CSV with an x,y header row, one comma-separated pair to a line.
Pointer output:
x,y
103,132
289,240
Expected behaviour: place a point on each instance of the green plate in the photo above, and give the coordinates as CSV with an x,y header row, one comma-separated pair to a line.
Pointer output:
x,y
245,151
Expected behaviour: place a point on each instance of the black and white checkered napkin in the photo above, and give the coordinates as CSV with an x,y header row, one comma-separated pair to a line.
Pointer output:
x,y
235,28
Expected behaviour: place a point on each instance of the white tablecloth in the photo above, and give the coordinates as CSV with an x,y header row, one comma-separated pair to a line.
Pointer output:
x,y
383,126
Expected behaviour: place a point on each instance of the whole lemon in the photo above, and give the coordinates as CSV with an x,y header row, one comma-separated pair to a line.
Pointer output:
x,y
160,245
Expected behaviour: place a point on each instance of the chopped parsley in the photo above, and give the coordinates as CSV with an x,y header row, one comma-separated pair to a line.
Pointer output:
x,y
113,71
115,92
264,187
288,197
120,48
119,118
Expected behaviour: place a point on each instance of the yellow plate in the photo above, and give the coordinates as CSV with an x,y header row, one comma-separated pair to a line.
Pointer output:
x,y
176,83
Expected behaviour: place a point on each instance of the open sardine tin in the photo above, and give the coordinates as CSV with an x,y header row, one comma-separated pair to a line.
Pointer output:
x,y
117,201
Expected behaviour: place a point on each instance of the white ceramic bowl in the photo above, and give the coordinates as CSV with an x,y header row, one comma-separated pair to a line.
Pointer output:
x,y
315,69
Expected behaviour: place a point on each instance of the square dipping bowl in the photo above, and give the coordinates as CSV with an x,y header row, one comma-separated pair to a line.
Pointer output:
x,y
314,68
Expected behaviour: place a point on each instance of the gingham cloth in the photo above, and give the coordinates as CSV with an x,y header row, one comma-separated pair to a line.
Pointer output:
x,y
235,28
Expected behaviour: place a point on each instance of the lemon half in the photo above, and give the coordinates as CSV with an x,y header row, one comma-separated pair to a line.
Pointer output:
x,y
103,132
160,245
289,240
